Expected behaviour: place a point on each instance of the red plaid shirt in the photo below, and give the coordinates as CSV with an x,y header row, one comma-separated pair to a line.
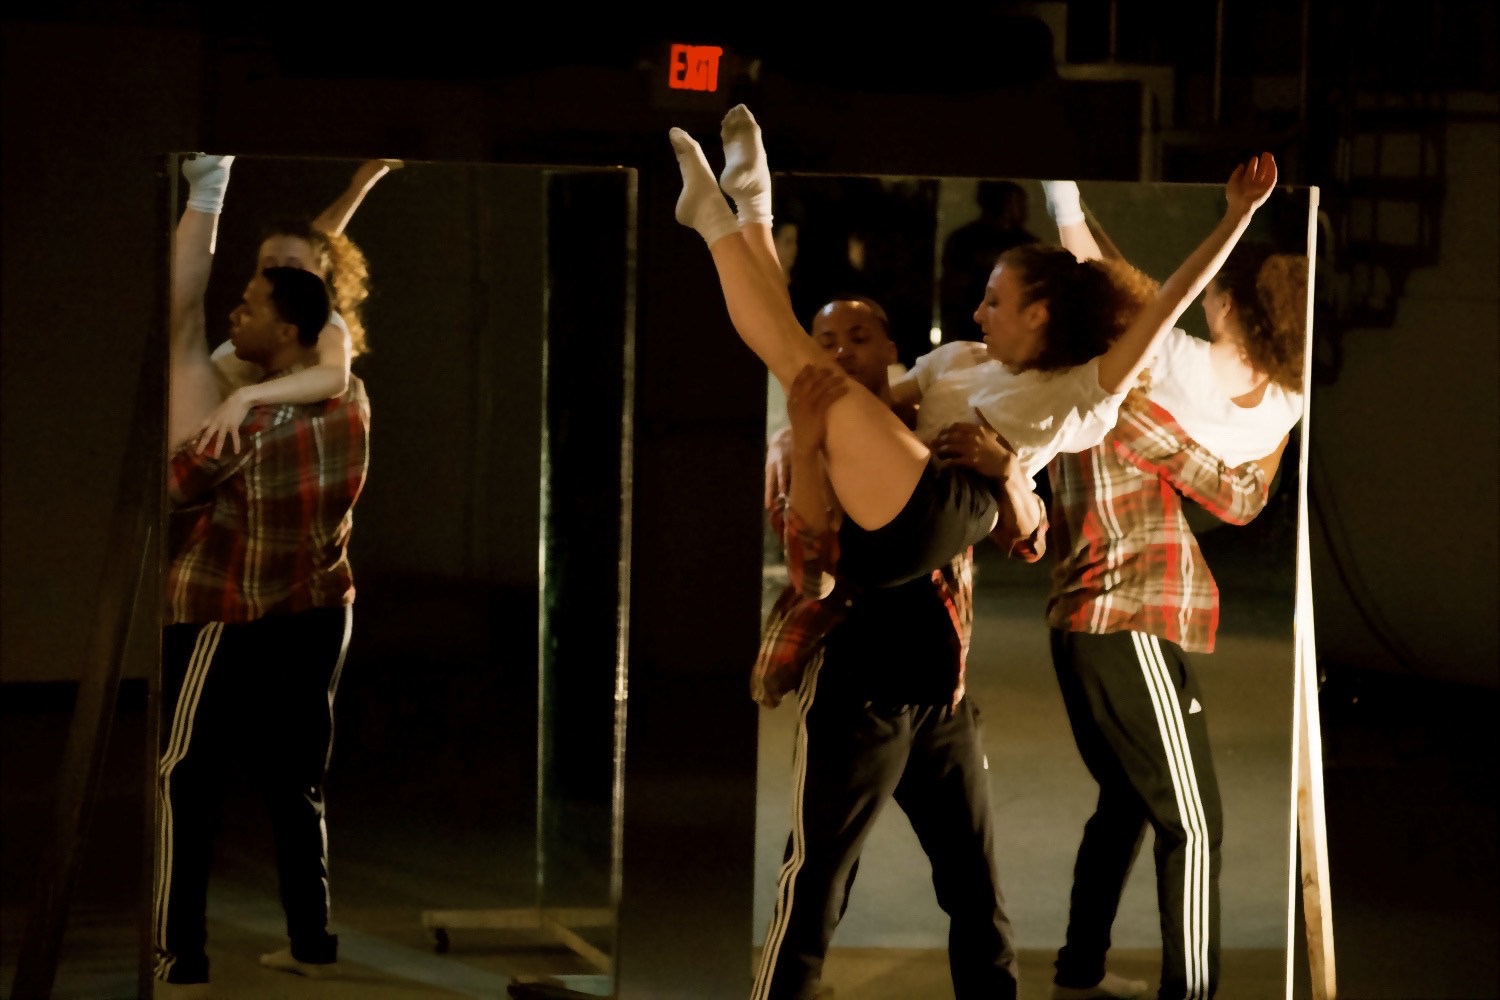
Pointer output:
x,y
1126,557
811,604
269,525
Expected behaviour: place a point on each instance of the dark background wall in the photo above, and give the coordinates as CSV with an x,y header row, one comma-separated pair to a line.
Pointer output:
x,y
90,103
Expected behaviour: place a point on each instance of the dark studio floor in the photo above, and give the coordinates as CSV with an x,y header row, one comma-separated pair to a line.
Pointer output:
x,y
425,813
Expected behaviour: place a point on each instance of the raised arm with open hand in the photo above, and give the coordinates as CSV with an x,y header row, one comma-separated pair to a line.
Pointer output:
x,y
337,215
1248,187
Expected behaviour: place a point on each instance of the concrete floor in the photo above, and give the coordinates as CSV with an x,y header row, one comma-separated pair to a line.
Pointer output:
x,y
1042,795
1412,823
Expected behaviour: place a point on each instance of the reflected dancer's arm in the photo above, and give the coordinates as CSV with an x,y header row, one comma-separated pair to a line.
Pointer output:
x,y
1151,440
337,215
328,379
1248,188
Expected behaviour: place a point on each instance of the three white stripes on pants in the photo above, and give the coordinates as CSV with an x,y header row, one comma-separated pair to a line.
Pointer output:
x,y
177,746
1196,861
787,883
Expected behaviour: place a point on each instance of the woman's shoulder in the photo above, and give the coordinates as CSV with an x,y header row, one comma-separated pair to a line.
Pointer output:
x,y
1079,383
955,354
1285,403
1179,348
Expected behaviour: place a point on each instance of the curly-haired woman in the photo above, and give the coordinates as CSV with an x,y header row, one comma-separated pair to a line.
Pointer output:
x,y
1068,339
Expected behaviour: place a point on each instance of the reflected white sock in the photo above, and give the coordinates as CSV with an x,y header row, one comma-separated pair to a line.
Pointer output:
x,y
746,177
207,177
701,204
1063,202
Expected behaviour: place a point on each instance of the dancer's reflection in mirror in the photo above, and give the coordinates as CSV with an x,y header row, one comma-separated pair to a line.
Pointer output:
x,y
258,595
319,246
1132,595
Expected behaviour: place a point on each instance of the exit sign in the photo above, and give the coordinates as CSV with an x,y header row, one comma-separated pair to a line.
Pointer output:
x,y
694,67
683,77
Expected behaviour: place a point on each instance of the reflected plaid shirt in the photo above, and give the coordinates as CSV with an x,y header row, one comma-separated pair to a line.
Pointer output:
x,y
268,527
1127,559
812,604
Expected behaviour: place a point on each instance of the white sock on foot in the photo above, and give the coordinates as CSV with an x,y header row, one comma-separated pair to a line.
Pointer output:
x,y
1063,202
701,204
746,177
207,177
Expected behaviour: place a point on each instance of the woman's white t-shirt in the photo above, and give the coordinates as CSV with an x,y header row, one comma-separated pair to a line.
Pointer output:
x,y
1184,384
1039,414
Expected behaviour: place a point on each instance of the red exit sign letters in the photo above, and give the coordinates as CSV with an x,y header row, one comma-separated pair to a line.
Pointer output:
x,y
694,67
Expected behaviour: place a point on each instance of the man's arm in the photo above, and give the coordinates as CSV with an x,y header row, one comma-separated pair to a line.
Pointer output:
x,y
1021,528
807,526
1150,439
1010,531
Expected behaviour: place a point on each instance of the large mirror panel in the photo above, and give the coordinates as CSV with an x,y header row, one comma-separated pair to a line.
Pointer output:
x,y
923,248
470,807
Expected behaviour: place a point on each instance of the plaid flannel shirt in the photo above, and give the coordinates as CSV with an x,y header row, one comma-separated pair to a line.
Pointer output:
x,y
269,525
813,603
1127,559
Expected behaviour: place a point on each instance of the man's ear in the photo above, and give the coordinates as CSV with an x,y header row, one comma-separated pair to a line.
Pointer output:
x,y
286,332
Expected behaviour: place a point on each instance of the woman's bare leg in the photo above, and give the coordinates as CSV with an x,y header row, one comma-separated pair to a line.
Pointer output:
x,y
874,462
193,389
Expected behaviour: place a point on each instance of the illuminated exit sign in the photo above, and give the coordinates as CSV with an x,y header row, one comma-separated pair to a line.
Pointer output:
x,y
694,67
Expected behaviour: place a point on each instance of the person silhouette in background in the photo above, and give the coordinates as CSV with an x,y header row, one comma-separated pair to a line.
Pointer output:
x,y
971,250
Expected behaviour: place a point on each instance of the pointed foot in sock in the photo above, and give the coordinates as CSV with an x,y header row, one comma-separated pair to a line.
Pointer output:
x,y
746,176
701,205
736,119
683,144
201,165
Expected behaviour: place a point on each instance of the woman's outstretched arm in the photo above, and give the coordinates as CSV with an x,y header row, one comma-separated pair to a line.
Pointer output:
x,y
327,379
1247,190
337,215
